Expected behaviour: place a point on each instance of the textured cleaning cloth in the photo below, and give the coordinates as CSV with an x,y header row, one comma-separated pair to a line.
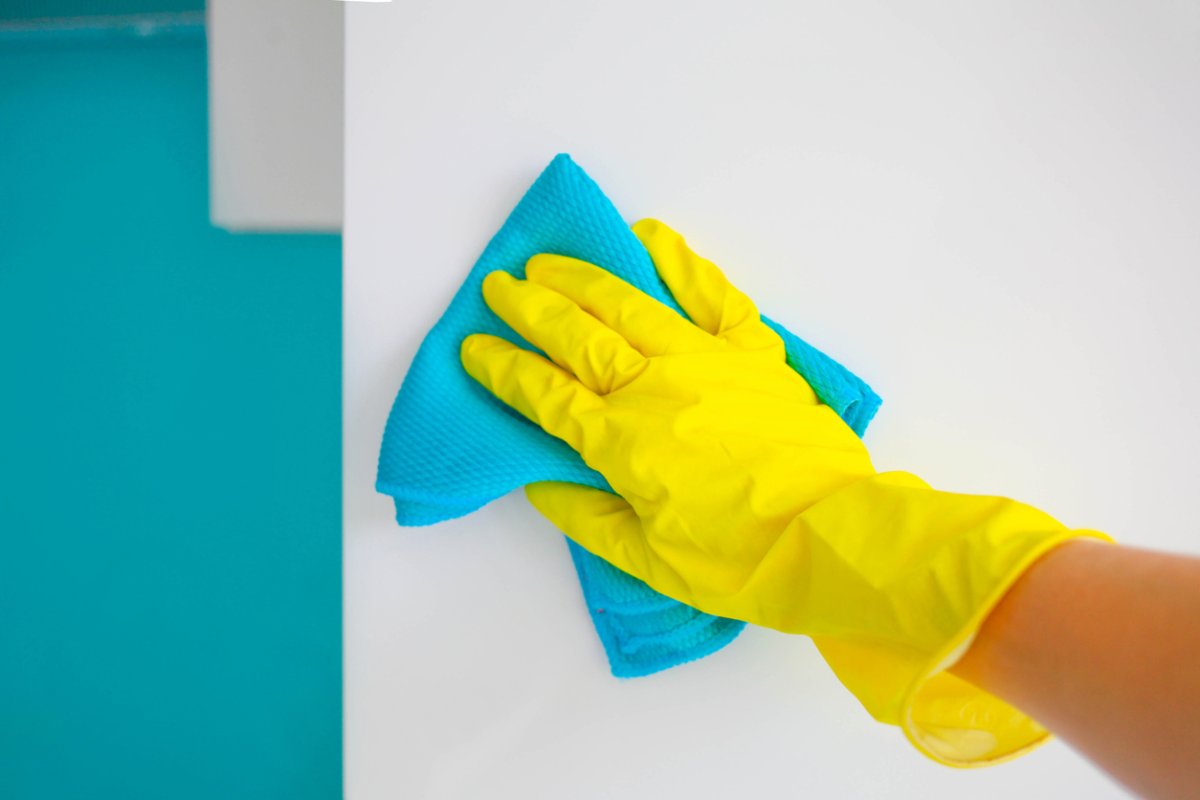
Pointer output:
x,y
450,446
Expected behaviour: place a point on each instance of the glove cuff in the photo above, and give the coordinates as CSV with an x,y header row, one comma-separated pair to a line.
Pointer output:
x,y
941,564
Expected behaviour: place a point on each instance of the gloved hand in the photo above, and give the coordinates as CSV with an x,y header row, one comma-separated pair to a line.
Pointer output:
x,y
740,494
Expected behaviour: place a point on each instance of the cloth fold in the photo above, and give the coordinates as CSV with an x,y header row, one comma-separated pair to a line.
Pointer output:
x,y
450,447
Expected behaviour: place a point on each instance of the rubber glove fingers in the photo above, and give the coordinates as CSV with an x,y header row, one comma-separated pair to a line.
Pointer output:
x,y
543,392
594,353
703,291
649,326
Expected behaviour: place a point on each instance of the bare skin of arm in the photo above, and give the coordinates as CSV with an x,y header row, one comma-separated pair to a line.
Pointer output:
x,y
1101,644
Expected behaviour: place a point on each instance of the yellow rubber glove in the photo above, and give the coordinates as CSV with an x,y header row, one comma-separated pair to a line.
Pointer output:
x,y
740,494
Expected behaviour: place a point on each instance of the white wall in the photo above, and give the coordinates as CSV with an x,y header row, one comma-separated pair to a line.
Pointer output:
x,y
275,114
990,213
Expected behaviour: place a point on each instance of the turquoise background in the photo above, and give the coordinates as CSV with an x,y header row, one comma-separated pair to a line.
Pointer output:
x,y
170,598
40,9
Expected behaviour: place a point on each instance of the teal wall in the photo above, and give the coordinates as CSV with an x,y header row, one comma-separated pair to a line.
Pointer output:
x,y
40,9
169,451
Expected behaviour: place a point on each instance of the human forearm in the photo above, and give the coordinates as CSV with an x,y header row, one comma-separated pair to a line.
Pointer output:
x,y
1101,644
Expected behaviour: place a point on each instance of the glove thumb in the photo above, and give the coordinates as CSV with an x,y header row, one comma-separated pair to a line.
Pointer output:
x,y
600,522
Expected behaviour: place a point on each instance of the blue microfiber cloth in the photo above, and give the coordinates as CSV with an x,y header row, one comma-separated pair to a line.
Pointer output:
x,y
450,447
